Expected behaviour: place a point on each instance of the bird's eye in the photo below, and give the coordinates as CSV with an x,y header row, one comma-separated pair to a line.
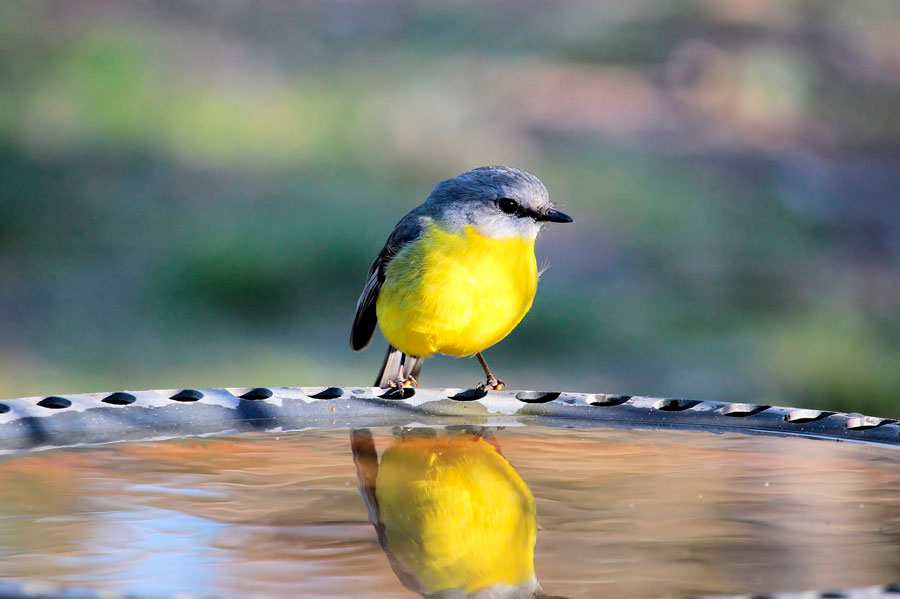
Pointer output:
x,y
507,205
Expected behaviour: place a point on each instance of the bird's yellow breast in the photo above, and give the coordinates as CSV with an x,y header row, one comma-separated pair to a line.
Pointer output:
x,y
456,294
456,515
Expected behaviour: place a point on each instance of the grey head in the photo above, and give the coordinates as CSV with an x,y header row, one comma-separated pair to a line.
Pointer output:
x,y
497,201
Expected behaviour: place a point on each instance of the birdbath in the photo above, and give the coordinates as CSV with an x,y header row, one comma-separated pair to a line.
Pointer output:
x,y
324,491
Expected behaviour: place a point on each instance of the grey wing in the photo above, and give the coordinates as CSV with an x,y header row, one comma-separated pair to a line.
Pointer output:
x,y
407,230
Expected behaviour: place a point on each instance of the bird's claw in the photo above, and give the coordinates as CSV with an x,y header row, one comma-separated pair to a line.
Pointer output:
x,y
403,383
492,384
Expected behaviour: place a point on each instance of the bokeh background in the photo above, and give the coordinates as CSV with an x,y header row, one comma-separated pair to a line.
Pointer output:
x,y
191,192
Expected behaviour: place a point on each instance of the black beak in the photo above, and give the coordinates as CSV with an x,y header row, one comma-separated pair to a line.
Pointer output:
x,y
553,216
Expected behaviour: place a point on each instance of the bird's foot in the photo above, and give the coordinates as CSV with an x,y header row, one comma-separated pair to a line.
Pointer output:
x,y
403,383
492,384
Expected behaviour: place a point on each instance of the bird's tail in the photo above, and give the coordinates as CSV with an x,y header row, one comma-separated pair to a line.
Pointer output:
x,y
412,366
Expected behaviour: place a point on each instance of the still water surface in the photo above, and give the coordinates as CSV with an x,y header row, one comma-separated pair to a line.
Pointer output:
x,y
581,513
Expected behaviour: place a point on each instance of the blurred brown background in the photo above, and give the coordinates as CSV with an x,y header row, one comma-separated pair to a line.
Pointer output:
x,y
192,192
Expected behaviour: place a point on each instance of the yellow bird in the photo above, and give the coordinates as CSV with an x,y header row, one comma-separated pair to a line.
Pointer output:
x,y
453,516
457,274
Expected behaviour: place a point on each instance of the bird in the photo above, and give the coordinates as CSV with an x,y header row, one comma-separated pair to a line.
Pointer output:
x,y
457,274
451,513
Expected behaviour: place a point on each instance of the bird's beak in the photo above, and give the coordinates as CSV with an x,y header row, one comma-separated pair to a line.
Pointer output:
x,y
554,216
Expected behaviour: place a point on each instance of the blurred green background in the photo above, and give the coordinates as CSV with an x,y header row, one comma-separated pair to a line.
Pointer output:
x,y
191,192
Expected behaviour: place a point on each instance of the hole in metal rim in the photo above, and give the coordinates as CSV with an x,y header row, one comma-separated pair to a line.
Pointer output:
x,y
469,395
537,396
187,395
739,410
257,393
119,398
762,597
894,587
328,393
864,423
4,408
832,595
55,402
602,399
398,393
675,405
804,416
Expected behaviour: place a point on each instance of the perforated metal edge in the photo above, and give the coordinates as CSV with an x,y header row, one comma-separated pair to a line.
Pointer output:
x,y
33,423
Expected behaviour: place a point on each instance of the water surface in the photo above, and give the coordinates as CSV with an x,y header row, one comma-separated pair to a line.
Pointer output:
x,y
618,513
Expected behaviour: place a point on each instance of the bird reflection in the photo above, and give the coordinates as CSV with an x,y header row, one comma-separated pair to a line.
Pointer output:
x,y
453,516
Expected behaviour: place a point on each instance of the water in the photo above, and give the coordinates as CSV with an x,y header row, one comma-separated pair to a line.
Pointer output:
x,y
618,514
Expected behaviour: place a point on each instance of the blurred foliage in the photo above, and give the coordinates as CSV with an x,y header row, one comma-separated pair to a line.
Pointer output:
x,y
193,192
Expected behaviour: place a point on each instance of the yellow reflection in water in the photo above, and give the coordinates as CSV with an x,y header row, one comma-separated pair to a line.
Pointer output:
x,y
452,514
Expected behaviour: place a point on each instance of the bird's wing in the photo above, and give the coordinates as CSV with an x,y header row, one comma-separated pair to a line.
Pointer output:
x,y
365,458
407,230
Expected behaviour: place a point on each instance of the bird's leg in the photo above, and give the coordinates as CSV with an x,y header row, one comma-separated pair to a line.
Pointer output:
x,y
492,383
403,381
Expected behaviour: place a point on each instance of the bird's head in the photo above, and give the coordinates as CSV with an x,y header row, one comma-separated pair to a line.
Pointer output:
x,y
497,201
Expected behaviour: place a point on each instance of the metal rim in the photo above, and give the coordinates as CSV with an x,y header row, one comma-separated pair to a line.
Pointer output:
x,y
34,423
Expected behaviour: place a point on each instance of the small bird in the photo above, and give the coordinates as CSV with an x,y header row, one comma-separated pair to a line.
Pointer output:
x,y
452,514
457,274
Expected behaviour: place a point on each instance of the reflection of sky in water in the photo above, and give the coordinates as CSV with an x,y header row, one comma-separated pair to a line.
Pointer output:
x,y
647,513
159,551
